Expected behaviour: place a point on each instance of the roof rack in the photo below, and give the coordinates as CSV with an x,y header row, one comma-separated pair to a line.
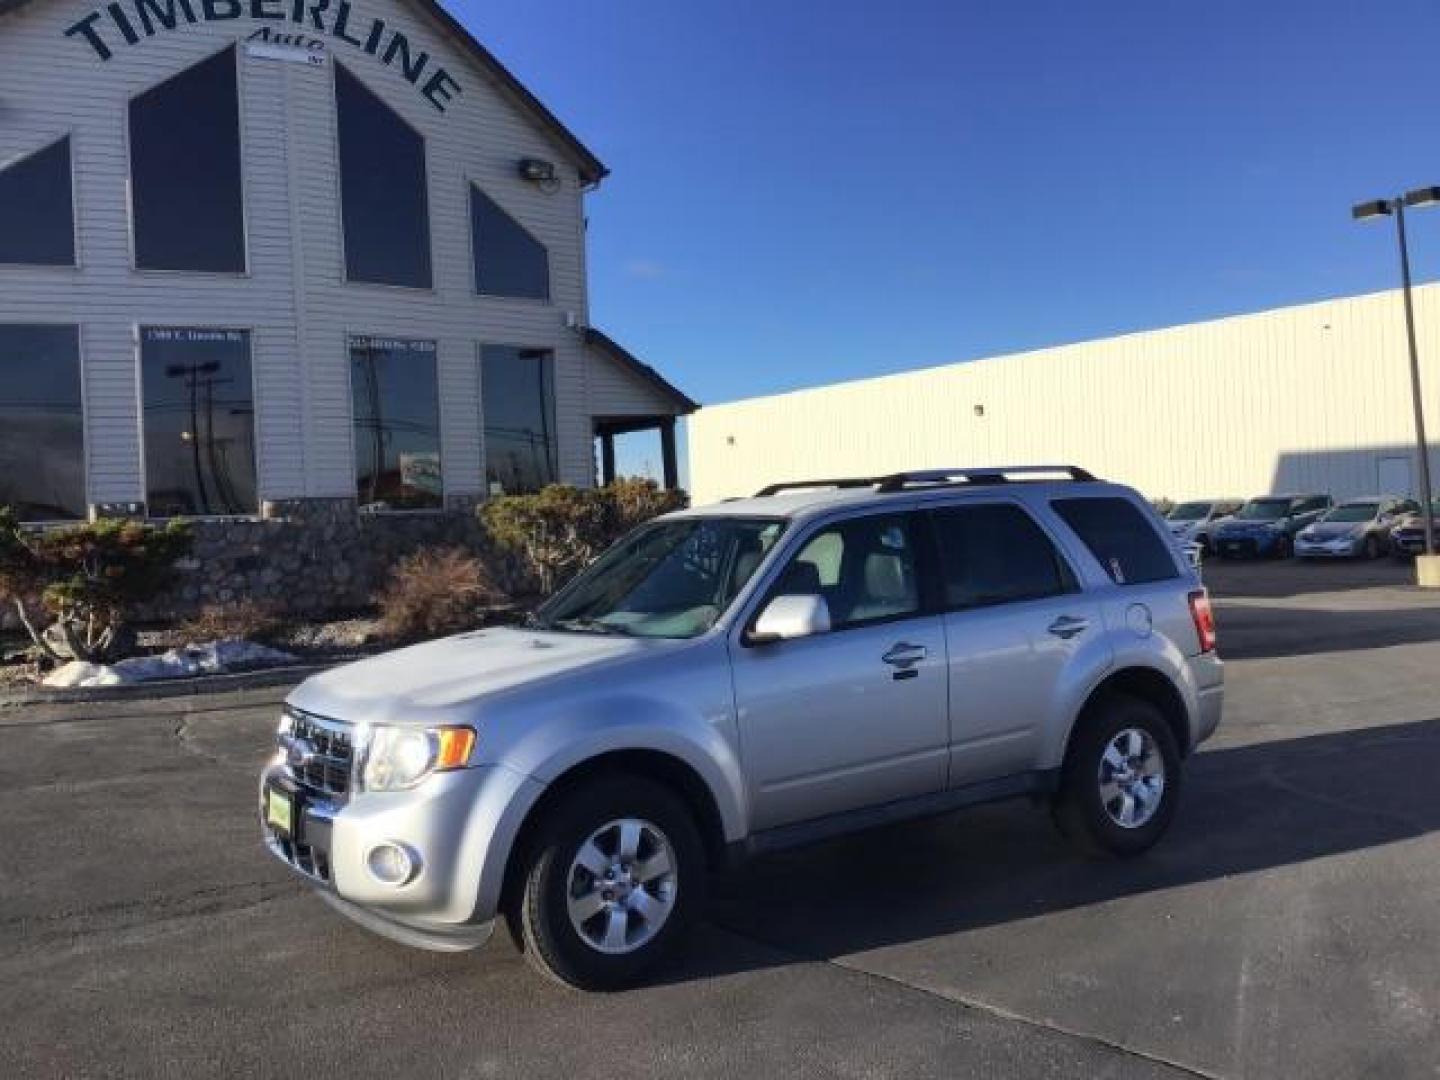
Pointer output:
x,y
806,485
904,481
993,474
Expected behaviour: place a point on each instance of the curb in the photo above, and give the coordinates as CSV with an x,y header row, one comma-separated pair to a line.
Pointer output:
x,y
230,682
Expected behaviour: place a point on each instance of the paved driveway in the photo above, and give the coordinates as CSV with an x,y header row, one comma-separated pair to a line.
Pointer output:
x,y
1287,927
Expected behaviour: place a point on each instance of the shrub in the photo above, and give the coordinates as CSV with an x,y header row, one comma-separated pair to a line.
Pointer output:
x,y
561,529
556,531
634,501
74,588
431,593
244,620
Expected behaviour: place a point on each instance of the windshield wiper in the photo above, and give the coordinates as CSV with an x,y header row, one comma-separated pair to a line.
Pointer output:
x,y
586,625
533,621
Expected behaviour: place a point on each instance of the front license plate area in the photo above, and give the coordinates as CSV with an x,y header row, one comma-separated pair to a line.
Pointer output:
x,y
280,812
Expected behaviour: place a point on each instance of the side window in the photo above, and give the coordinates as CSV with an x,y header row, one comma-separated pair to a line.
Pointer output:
x,y
996,554
864,568
1120,537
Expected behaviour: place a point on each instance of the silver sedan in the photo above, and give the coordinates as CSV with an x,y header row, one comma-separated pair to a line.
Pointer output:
x,y
1356,529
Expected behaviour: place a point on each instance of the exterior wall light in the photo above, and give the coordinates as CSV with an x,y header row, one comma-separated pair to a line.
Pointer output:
x,y
538,171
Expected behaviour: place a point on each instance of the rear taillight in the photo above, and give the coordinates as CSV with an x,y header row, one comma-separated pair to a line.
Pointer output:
x,y
1204,616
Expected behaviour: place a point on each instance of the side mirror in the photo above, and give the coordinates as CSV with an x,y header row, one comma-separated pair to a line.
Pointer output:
x,y
788,617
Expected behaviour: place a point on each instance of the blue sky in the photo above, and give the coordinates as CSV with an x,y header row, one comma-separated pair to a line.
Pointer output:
x,y
812,191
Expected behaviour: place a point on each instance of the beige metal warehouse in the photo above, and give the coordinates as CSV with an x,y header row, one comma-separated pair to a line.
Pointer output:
x,y
1314,397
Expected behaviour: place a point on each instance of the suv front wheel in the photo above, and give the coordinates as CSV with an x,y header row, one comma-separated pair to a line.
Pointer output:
x,y
1121,778
612,883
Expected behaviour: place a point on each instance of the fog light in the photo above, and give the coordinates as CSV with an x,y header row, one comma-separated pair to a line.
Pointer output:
x,y
392,864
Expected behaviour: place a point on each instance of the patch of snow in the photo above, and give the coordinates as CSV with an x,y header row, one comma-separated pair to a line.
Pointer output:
x,y
211,658
79,673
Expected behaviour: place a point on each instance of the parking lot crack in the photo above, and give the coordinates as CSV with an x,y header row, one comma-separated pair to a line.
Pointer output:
x,y
1001,1013
985,1008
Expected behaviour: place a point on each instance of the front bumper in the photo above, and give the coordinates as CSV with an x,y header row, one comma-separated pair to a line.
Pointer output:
x,y
459,826
1409,543
1248,546
1327,549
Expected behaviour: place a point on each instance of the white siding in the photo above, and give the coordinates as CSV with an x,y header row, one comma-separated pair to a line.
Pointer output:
x,y
294,298
1303,398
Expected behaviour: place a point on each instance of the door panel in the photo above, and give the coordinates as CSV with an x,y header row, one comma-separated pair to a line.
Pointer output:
x,y
1008,669
1015,628
826,725
857,716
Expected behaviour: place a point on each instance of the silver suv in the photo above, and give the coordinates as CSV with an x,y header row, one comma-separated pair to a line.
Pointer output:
x,y
744,677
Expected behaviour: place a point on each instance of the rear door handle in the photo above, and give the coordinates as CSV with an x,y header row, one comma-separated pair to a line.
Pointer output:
x,y
1067,626
904,655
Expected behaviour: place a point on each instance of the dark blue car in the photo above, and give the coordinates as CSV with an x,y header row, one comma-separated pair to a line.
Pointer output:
x,y
1266,527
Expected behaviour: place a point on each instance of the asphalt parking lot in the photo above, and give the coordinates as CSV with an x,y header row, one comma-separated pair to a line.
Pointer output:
x,y
1287,927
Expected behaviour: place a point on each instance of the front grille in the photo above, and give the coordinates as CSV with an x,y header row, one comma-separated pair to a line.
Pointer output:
x,y
319,753
310,861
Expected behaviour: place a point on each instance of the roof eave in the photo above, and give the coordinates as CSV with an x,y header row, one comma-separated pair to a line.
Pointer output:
x,y
684,404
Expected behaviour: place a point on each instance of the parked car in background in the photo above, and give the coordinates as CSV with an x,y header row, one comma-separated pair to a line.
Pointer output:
x,y
1266,526
1359,528
1194,522
1407,537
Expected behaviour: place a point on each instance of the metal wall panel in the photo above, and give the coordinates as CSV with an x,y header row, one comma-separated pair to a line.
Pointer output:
x,y
1307,397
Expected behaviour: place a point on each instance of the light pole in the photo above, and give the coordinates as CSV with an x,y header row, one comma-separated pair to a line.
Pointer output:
x,y
1425,196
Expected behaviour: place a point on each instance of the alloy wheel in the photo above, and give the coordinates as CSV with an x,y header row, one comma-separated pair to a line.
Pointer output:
x,y
621,886
1132,778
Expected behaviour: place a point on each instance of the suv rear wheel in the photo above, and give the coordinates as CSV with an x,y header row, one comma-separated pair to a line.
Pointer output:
x,y
612,883
1121,779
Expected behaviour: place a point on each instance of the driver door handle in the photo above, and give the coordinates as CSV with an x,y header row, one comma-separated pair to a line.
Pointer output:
x,y
904,655
1067,626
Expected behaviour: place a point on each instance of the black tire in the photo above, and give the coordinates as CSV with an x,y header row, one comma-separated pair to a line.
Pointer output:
x,y
1372,547
1079,810
551,942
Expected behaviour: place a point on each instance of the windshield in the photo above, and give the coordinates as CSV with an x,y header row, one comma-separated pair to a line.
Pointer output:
x,y
1189,511
1353,512
671,579
1263,510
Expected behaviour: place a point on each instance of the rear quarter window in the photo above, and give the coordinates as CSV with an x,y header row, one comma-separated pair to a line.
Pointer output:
x,y
1120,537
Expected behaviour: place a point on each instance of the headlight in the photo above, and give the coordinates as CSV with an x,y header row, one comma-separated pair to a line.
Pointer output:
x,y
1307,534
398,758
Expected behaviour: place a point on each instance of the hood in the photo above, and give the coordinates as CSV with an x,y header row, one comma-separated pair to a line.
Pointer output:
x,y
1335,530
427,682
1414,521
1234,525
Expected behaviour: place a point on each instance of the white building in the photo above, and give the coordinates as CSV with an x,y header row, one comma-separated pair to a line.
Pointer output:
x,y
257,255
1308,398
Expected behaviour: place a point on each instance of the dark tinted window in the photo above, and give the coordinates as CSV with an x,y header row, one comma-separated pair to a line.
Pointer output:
x,y
42,452
397,423
508,260
994,554
864,568
37,220
1118,535
199,421
383,200
517,393
185,171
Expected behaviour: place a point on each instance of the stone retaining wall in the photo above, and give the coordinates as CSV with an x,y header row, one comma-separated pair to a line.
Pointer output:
x,y
313,557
